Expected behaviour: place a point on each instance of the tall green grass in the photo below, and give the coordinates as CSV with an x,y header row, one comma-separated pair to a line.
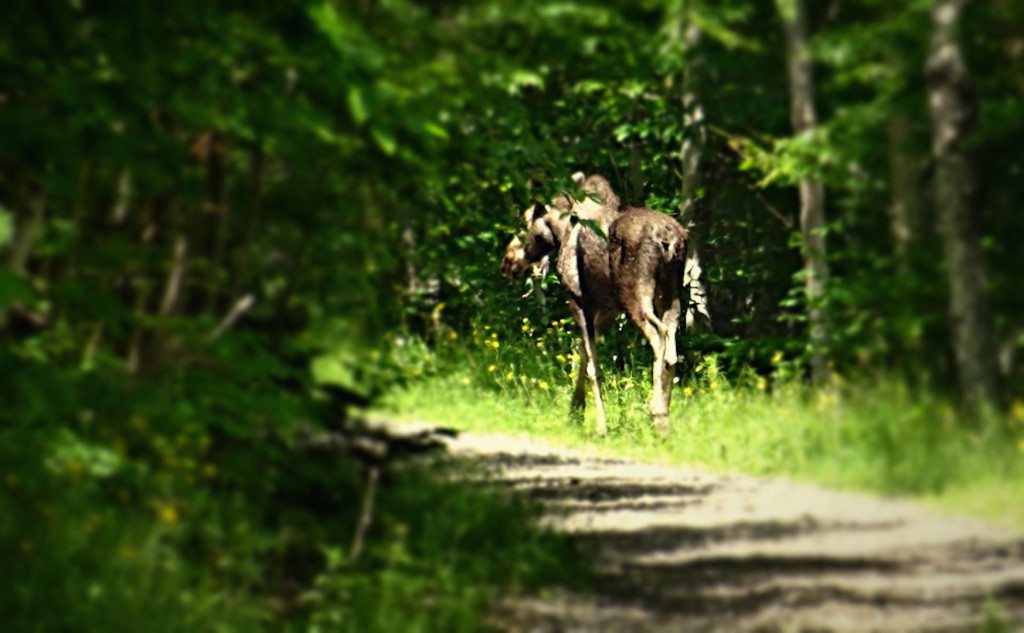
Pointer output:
x,y
870,433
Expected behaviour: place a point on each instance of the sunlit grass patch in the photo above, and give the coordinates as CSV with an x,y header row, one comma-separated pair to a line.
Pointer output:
x,y
869,434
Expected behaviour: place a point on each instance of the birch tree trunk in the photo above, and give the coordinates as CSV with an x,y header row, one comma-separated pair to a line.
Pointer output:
x,y
812,194
953,113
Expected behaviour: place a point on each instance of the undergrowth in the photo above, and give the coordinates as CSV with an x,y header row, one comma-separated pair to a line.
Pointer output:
x,y
874,433
181,503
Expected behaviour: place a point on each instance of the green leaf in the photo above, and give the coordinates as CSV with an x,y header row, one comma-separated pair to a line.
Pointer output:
x,y
385,140
594,226
435,130
357,105
70,452
6,227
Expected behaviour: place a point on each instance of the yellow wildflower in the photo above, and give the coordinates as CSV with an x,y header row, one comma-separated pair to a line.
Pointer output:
x,y
776,358
510,376
542,385
168,514
493,344
453,335
465,380
687,390
492,368
1017,411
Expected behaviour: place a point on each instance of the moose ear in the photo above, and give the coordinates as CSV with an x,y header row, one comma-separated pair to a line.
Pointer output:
x,y
539,211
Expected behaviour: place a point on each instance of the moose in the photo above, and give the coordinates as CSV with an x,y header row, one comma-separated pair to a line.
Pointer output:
x,y
636,265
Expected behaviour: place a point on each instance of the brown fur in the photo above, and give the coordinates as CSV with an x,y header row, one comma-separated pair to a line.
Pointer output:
x,y
639,270
600,187
582,268
647,256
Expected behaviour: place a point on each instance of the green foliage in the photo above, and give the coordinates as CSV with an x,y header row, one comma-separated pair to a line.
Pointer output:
x,y
443,547
185,503
994,618
206,208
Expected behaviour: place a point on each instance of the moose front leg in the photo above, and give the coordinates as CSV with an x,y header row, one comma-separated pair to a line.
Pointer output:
x,y
656,340
588,340
579,395
636,308
671,318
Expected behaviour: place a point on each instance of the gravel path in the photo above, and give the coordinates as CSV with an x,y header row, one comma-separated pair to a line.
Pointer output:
x,y
680,549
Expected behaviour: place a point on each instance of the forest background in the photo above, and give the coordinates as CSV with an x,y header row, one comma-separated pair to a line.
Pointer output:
x,y
226,227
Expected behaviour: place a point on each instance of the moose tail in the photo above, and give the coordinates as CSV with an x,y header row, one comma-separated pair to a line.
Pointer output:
x,y
693,291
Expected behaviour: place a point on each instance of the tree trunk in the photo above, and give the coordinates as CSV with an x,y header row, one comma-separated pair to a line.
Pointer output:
x,y
952,105
693,211
905,198
123,198
175,274
26,231
635,196
812,193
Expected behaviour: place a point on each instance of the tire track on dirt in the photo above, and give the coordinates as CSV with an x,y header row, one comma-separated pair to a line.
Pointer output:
x,y
680,549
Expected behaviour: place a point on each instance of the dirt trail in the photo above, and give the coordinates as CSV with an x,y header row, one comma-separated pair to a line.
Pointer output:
x,y
679,549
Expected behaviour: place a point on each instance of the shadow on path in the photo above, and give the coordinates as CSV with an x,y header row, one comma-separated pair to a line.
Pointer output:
x,y
663,564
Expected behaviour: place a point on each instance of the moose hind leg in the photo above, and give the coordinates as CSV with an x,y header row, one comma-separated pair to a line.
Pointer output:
x,y
636,301
668,373
657,406
675,310
579,395
647,303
